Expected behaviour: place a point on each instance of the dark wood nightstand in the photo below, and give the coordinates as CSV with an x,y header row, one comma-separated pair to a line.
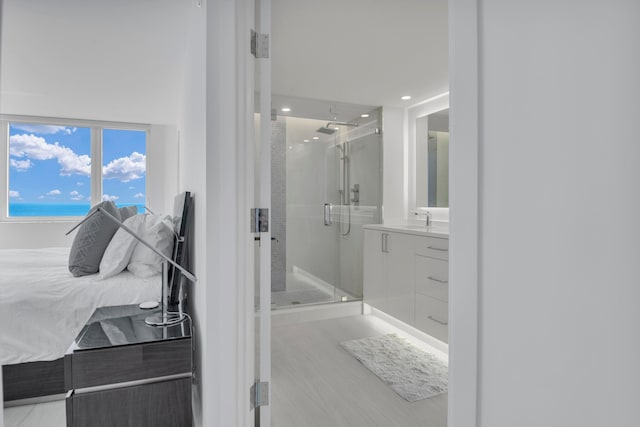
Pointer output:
x,y
122,372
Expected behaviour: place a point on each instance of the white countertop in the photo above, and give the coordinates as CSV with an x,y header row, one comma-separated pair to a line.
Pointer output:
x,y
436,229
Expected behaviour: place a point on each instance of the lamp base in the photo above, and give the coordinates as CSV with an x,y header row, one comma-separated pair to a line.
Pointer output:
x,y
170,319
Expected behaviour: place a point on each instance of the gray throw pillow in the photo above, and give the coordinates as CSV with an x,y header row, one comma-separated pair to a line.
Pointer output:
x,y
92,240
127,212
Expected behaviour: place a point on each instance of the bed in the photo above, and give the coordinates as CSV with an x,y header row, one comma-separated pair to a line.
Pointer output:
x,y
43,307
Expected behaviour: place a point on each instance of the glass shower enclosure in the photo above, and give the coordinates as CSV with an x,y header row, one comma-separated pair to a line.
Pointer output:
x,y
326,184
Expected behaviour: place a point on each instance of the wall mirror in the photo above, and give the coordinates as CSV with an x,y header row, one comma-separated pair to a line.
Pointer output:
x,y
432,160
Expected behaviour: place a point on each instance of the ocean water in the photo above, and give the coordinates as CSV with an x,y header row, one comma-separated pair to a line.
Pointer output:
x,y
45,209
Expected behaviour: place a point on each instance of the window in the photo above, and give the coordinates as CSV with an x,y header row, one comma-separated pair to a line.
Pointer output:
x,y
124,165
52,172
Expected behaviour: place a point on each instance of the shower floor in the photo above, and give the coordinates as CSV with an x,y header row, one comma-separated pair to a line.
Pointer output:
x,y
305,289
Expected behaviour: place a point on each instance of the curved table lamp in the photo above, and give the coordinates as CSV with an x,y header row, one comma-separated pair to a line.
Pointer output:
x,y
165,317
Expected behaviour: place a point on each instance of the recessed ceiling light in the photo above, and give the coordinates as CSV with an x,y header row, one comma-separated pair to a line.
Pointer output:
x,y
336,128
364,116
306,140
316,137
290,147
285,109
406,98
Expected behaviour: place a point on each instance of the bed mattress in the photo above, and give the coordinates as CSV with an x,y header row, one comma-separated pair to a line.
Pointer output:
x,y
43,307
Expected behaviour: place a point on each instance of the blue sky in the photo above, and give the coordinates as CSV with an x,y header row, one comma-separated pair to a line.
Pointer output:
x,y
52,165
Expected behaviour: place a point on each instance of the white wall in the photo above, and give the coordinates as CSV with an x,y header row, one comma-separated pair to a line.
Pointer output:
x,y
558,325
214,144
90,59
162,168
394,165
192,177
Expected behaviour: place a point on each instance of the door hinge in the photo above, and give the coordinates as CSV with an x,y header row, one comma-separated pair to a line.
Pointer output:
x,y
259,45
259,220
259,394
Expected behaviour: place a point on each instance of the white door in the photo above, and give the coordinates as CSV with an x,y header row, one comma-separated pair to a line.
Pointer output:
x,y
262,79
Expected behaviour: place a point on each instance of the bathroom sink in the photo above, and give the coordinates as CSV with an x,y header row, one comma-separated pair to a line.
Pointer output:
x,y
439,228
417,227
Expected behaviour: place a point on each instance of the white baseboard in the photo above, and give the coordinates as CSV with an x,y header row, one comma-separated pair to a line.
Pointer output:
x,y
309,313
410,331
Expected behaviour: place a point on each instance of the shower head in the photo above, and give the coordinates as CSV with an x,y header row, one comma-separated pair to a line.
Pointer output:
x,y
330,128
326,130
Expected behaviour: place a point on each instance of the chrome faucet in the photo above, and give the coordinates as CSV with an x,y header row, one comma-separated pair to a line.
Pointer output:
x,y
428,220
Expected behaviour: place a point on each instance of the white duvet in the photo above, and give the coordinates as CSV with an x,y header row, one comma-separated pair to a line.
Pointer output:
x,y
43,307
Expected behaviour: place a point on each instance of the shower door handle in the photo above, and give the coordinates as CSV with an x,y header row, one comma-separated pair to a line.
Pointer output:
x,y
327,214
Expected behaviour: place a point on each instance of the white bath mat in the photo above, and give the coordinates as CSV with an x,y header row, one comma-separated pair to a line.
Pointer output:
x,y
412,373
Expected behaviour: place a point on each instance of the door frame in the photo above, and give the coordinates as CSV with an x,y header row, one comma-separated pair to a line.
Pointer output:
x,y
465,217
464,214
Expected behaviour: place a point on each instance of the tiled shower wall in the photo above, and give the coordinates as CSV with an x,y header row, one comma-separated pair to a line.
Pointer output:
x,y
278,204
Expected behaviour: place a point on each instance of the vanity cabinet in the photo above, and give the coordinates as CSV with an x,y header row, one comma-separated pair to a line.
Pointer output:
x,y
432,296
388,259
374,284
406,275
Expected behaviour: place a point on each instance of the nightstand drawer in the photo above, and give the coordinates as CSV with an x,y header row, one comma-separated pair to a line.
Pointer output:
x,y
161,404
433,247
127,363
432,317
432,277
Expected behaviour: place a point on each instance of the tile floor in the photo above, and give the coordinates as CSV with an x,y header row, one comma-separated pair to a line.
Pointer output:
x,y
304,290
315,383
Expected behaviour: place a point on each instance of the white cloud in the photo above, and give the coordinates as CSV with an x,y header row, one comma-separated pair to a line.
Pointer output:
x,y
126,169
79,184
55,192
108,198
132,188
41,197
76,196
43,129
14,193
138,196
21,165
35,147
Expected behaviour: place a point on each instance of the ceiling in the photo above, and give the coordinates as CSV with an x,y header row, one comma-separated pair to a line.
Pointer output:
x,y
368,52
81,58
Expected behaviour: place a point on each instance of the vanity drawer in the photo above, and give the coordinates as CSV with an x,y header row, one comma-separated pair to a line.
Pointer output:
x,y
433,247
432,317
432,277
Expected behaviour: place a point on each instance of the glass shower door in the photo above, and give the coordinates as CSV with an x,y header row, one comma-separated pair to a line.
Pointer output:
x,y
328,182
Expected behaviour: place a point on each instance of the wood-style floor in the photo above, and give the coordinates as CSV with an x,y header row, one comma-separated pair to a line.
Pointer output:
x,y
315,382
49,414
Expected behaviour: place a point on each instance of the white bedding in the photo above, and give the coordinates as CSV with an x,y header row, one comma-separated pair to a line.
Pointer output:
x,y
43,307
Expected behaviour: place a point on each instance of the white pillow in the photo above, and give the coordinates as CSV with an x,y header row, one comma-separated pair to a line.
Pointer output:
x,y
117,255
158,231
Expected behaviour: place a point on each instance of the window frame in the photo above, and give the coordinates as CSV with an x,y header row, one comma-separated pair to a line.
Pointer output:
x,y
97,127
